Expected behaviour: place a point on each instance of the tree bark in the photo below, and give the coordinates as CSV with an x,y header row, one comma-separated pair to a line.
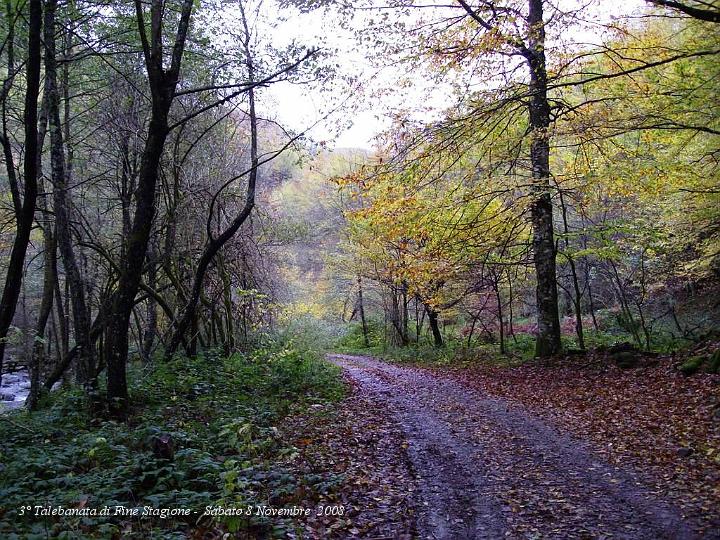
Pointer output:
x,y
151,313
49,275
361,308
434,326
500,315
541,211
398,335
577,298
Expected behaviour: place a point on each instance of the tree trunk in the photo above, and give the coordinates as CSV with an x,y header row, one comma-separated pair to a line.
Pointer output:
x,y
49,277
434,326
501,318
63,330
511,329
24,220
541,211
404,315
116,336
577,299
151,315
228,337
361,308
162,89
62,203
398,336
215,244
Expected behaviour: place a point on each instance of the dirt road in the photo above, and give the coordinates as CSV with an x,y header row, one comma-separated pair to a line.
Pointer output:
x,y
487,469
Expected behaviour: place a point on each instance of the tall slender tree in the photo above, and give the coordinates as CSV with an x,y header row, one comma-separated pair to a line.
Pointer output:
x,y
532,50
63,206
25,212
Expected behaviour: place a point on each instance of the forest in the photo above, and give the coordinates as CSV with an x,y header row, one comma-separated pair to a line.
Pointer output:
x,y
326,269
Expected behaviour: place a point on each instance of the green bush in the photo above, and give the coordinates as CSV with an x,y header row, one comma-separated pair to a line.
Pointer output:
x,y
353,339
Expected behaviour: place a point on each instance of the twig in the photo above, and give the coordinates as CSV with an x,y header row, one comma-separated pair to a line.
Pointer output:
x,y
4,417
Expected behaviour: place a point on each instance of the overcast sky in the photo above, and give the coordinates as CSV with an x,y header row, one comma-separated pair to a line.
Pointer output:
x,y
301,107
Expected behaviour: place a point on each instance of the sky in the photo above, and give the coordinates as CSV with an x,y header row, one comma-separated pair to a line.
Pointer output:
x,y
360,116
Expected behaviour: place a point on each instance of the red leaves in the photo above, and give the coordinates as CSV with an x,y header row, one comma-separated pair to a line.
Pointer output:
x,y
356,440
653,419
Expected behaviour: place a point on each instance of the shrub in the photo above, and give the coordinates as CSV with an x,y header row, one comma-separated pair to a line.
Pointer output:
x,y
219,412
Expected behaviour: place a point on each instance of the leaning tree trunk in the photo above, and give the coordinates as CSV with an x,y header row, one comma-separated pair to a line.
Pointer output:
x,y
541,211
116,333
26,214
189,312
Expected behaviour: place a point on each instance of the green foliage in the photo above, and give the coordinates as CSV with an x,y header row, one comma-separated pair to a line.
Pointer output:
x,y
307,333
221,414
353,340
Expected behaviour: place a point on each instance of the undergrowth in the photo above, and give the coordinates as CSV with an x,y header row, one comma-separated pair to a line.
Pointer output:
x,y
221,415
456,350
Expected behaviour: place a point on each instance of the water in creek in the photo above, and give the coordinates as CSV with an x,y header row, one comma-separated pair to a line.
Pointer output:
x,y
14,389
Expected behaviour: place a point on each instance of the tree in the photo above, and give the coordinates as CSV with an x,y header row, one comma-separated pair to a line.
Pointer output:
x,y
25,211
162,82
700,10
63,207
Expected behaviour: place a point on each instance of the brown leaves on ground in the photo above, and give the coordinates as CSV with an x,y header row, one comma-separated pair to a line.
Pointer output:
x,y
357,443
654,419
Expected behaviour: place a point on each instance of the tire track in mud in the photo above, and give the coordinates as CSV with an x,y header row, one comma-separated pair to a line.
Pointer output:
x,y
489,470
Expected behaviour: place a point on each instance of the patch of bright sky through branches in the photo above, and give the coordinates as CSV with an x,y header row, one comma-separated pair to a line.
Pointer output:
x,y
350,110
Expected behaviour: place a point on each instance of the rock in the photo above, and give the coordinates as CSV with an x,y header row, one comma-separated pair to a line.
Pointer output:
x,y
7,397
624,347
163,447
625,355
685,452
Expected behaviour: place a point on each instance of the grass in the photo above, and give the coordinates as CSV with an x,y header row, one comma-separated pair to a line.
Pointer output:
x,y
221,414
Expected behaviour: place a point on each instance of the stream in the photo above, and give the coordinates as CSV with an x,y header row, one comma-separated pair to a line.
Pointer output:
x,y
14,390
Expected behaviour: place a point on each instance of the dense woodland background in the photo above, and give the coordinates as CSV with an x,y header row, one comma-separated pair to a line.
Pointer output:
x,y
565,197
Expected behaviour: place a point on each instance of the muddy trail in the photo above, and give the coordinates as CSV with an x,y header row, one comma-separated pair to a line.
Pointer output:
x,y
488,469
